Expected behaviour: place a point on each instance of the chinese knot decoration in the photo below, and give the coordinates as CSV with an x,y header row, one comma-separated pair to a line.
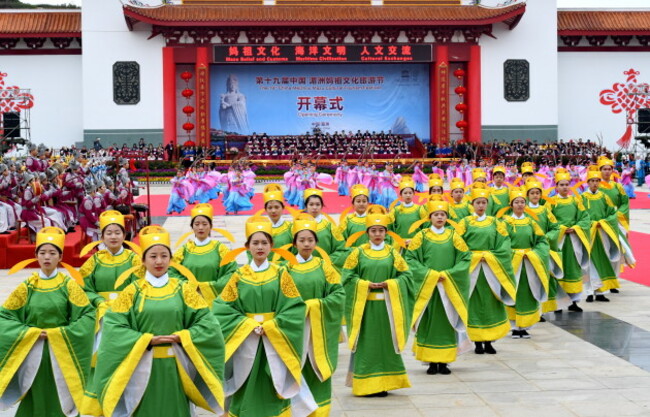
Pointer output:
x,y
12,98
187,92
461,107
627,97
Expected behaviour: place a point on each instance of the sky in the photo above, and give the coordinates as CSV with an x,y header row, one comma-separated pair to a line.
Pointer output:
x,y
560,3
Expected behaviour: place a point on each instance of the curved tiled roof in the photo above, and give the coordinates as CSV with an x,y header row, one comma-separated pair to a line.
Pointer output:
x,y
603,22
21,24
322,15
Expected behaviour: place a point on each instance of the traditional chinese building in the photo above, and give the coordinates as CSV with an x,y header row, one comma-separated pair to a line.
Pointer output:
x,y
442,69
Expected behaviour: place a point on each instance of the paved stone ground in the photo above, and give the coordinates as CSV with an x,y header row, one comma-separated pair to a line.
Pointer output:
x,y
553,374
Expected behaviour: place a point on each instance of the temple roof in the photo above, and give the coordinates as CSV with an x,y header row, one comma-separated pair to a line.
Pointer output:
x,y
42,24
600,22
235,15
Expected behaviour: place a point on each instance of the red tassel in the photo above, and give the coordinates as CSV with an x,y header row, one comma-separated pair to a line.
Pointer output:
x,y
624,141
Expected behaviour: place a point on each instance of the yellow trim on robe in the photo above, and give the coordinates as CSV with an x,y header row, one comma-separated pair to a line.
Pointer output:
x,y
489,334
205,370
370,384
518,259
608,230
16,356
261,317
234,340
497,270
315,313
441,354
425,294
116,385
358,306
456,299
285,351
398,312
68,363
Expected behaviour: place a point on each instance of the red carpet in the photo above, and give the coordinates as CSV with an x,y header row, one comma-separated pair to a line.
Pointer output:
x,y
11,252
640,274
642,201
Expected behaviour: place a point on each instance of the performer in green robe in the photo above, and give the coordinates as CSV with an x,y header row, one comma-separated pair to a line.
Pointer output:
x,y
47,336
329,235
379,295
573,240
162,348
557,297
492,281
459,206
355,223
320,287
202,255
439,259
273,207
614,190
530,257
606,252
100,272
405,212
263,317
498,191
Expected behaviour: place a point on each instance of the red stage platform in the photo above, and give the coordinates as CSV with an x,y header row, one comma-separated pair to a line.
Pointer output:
x,y
11,252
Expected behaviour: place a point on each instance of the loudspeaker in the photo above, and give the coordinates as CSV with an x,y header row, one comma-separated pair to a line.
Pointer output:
x,y
644,121
11,125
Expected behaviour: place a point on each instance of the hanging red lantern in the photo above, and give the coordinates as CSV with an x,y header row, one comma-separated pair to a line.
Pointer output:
x,y
461,124
459,73
187,93
188,126
186,75
188,110
460,90
461,107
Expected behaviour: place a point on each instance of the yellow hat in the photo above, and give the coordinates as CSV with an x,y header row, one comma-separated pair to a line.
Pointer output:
x,y
533,183
406,182
203,209
516,193
258,224
499,169
562,176
604,161
152,236
436,197
377,216
273,195
311,191
110,217
359,189
479,191
456,183
272,187
478,173
304,222
593,174
51,235
436,182
434,176
527,169
437,205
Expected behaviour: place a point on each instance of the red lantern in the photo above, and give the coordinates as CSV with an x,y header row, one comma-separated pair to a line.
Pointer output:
x,y
459,73
461,107
187,93
461,124
188,126
460,90
186,75
188,110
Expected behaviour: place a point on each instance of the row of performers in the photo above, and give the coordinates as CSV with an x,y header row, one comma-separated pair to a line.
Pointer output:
x,y
201,185
194,328
60,195
364,173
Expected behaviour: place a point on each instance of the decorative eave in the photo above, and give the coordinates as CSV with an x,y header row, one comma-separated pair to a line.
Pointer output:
x,y
596,26
202,23
61,28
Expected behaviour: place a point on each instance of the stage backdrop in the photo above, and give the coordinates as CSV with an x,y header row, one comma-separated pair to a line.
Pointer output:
x,y
294,99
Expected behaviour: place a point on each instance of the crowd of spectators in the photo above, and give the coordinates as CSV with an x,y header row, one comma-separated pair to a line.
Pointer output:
x,y
510,151
335,145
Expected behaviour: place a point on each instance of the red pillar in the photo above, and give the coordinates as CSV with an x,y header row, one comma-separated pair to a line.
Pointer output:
x,y
474,94
202,96
440,96
169,96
